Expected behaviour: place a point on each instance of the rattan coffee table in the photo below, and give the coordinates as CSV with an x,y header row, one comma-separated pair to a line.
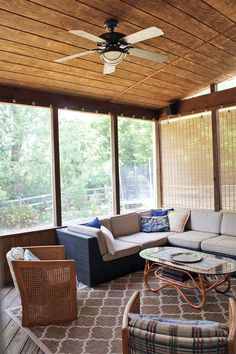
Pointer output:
x,y
203,271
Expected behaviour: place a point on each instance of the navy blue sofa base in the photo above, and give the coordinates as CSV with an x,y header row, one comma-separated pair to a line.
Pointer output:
x,y
90,267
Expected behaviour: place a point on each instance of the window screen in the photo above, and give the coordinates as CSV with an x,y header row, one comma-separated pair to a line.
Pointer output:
x,y
227,125
186,157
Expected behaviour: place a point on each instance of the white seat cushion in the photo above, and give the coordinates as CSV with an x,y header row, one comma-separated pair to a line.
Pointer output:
x,y
122,249
145,240
221,244
189,239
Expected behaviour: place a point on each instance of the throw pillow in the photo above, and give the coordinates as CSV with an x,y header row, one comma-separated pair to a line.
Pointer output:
x,y
29,256
110,241
178,220
94,223
154,223
160,212
17,253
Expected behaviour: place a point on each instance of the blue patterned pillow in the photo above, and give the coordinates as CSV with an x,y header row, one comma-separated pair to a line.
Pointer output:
x,y
160,212
155,223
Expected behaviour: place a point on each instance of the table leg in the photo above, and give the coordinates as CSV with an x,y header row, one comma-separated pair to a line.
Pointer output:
x,y
226,280
147,269
199,286
199,283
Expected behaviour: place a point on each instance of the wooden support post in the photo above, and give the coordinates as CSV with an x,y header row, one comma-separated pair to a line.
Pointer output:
x,y
216,154
158,167
115,165
56,167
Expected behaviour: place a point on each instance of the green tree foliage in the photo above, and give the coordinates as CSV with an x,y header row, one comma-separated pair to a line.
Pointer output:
x,y
135,141
25,152
25,163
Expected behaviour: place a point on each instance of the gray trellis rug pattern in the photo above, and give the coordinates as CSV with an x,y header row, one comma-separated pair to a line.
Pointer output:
x,y
100,310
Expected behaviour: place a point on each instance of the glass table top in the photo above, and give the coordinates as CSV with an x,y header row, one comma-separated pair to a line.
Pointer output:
x,y
193,261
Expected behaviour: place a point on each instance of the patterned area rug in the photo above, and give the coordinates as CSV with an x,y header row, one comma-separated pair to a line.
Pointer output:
x,y
100,311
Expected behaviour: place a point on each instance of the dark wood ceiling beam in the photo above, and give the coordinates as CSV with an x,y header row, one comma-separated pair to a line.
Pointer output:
x,y
46,99
211,101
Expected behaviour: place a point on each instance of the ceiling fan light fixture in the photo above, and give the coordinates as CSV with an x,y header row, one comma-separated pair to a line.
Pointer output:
x,y
113,46
113,57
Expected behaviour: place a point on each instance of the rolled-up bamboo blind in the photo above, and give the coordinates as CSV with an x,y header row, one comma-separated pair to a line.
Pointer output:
x,y
187,162
227,126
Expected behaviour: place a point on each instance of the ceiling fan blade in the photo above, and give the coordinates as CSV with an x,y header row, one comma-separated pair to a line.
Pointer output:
x,y
147,33
88,36
73,56
159,58
109,69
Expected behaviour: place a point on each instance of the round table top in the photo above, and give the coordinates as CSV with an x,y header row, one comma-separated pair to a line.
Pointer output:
x,y
205,263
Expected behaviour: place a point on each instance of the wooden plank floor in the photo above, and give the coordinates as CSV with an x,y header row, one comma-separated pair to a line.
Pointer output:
x,y
14,339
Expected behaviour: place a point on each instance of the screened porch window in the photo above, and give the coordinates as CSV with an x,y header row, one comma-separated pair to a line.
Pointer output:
x,y
187,162
227,125
26,200
136,161
85,165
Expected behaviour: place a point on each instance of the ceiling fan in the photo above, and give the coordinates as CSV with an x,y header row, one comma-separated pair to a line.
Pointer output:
x,y
113,46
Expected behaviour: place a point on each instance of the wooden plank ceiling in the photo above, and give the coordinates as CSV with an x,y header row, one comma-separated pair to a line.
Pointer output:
x,y
199,39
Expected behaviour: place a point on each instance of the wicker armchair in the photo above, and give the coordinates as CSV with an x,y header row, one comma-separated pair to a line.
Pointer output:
x,y
143,334
47,287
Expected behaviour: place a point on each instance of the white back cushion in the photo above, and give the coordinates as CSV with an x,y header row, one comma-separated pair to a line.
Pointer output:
x,y
178,220
205,221
228,226
125,224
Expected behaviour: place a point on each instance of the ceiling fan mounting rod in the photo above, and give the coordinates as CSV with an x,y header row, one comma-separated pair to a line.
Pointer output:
x,y
111,24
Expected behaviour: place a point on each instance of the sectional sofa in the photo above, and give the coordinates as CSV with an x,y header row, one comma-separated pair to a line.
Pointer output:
x,y
207,231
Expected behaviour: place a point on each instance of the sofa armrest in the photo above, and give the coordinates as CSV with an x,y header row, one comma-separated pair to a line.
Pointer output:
x,y
84,250
90,231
